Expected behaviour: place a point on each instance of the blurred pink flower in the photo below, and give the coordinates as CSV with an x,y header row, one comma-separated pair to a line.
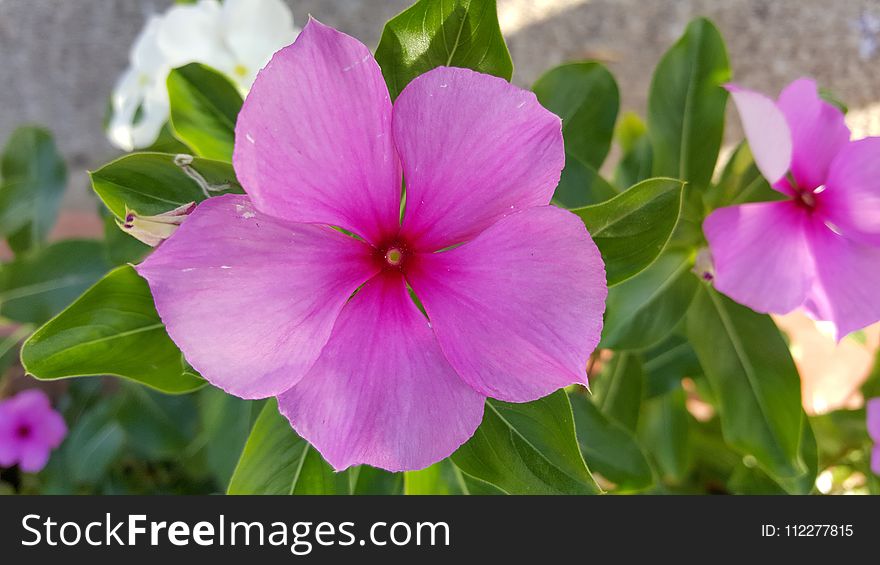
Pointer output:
x,y
820,248
29,430
266,299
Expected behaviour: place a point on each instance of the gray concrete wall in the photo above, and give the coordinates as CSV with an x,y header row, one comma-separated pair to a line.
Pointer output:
x,y
59,59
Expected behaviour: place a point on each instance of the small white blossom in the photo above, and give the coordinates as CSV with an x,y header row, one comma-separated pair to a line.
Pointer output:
x,y
237,37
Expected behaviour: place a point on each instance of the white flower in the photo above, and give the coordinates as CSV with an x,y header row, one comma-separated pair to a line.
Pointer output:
x,y
237,37
140,100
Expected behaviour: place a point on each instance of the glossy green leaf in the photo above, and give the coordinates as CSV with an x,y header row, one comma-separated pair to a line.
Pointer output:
x,y
440,478
665,432
686,105
152,183
204,108
741,182
646,308
609,448
276,460
632,228
754,378
112,329
636,162
32,180
618,391
430,34
528,448
586,97
36,286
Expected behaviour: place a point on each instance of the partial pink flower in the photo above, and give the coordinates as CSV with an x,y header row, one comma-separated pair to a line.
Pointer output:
x,y
820,248
266,298
29,430
872,408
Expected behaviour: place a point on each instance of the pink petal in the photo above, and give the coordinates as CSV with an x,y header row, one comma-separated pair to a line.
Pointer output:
x,y
766,131
761,255
313,139
818,132
518,309
382,393
8,441
875,460
474,149
872,409
33,457
851,199
50,429
847,279
250,299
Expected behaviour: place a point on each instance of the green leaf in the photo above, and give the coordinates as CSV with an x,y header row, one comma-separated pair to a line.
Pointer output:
x,y
440,478
609,448
754,378
637,161
632,228
581,185
112,329
645,309
686,105
585,96
276,460
665,431
152,183
370,480
619,389
667,363
528,448
430,34
226,425
32,180
204,107
157,426
36,286
741,182
95,441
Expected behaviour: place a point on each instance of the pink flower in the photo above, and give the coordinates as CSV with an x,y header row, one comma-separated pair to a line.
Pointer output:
x,y
872,407
266,299
29,430
820,248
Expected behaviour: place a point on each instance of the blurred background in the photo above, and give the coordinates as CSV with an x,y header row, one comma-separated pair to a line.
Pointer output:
x,y
59,61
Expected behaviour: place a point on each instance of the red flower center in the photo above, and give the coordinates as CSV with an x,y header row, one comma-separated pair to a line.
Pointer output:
x,y
392,255
23,431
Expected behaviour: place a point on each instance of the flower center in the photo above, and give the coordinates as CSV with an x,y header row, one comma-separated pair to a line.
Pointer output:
x,y
806,199
394,256
240,70
22,431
